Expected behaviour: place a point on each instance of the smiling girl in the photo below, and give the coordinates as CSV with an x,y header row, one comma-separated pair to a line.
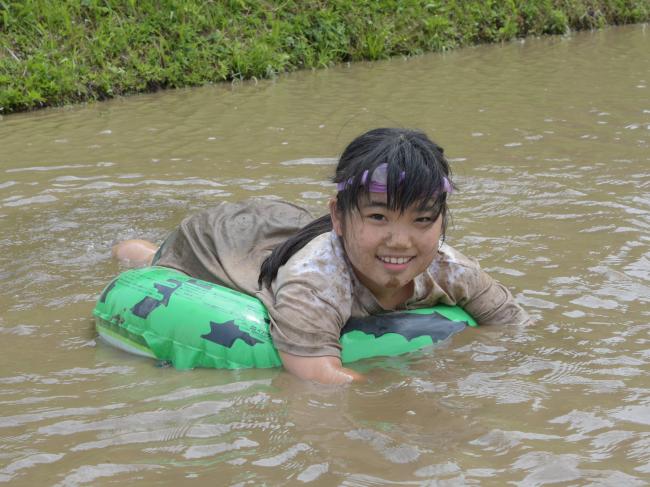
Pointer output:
x,y
379,249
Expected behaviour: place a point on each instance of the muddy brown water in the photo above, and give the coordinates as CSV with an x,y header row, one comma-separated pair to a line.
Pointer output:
x,y
550,142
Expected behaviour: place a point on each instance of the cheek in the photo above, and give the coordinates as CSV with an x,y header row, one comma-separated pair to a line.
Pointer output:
x,y
369,239
430,243
360,244
357,244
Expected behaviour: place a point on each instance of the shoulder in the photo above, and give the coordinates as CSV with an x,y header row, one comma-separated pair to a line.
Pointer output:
x,y
321,266
449,260
455,275
324,251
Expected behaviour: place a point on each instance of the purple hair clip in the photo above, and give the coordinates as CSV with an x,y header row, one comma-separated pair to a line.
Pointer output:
x,y
379,180
446,186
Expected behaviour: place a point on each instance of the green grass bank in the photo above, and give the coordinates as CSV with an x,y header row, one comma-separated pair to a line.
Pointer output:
x,y
66,51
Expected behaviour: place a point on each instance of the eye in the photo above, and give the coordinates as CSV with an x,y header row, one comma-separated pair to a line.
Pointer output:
x,y
376,216
428,216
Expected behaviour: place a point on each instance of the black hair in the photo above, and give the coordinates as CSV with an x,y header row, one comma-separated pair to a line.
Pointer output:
x,y
416,171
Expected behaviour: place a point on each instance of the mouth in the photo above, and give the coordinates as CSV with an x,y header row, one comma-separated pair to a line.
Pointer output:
x,y
394,260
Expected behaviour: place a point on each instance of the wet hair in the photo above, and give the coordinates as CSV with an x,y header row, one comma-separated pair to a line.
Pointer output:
x,y
416,171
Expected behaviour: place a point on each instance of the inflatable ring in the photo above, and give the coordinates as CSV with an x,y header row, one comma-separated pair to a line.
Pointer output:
x,y
164,314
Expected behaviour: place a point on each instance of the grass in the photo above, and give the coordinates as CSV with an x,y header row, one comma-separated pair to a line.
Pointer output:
x,y
54,53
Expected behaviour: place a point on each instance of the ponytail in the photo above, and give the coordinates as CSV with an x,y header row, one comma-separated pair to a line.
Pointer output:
x,y
284,251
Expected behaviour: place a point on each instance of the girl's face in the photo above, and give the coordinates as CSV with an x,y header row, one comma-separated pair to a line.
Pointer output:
x,y
386,248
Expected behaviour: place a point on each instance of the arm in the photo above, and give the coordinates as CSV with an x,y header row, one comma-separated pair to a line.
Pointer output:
x,y
467,285
325,369
309,302
491,303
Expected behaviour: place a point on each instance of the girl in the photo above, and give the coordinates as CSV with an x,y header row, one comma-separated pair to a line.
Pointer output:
x,y
380,248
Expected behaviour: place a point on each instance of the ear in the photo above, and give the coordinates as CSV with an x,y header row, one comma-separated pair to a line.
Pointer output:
x,y
337,221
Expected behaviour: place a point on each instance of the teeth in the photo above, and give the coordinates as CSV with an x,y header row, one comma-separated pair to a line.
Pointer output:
x,y
395,260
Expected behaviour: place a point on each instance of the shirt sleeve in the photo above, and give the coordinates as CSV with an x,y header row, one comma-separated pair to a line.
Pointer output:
x,y
489,302
304,321
310,300
464,283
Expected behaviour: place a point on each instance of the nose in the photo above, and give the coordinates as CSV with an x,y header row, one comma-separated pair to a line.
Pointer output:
x,y
398,238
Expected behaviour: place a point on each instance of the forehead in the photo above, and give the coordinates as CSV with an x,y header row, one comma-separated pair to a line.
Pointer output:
x,y
380,200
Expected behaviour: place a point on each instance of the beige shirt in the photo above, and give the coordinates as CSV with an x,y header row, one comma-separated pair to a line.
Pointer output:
x,y
316,291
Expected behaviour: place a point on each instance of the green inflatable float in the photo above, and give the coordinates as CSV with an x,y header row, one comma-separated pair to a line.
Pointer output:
x,y
164,314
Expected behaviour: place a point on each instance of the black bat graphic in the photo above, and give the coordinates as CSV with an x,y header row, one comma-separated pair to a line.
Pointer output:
x,y
409,325
226,333
148,304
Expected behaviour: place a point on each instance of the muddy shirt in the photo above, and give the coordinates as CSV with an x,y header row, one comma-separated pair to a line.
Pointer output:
x,y
316,291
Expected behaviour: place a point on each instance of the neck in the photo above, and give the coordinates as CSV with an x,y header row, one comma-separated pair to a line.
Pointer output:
x,y
389,298
398,298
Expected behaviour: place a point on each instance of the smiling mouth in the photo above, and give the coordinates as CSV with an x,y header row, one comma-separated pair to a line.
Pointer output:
x,y
394,260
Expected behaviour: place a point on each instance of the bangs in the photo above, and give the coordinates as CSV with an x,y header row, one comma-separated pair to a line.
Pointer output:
x,y
413,170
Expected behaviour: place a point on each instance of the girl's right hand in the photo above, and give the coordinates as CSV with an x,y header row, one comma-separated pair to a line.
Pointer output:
x,y
325,370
